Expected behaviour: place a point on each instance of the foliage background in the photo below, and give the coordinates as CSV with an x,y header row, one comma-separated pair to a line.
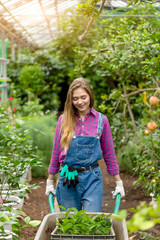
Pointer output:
x,y
119,56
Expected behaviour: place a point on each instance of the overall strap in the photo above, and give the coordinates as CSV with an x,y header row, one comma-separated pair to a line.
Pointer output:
x,y
99,128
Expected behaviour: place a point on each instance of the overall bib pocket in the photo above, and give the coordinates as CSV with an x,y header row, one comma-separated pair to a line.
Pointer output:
x,y
84,152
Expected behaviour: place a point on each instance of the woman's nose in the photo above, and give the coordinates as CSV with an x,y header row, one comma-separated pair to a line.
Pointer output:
x,y
79,101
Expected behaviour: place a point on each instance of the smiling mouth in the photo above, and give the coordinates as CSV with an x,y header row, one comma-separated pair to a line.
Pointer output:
x,y
81,106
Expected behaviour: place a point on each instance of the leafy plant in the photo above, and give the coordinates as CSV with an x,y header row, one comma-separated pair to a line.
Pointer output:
x,y
41,129
31,79
145,217
18,220
127,155
17,154
148,163
80,223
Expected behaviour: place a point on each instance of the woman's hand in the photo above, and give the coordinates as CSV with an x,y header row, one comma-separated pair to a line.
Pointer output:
x,y
119,189
50,187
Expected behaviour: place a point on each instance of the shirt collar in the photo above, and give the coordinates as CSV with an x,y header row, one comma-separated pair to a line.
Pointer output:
x,y
92,111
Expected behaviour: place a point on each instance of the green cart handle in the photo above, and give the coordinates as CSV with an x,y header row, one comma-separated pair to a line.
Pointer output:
x,y
116,209
51,202
117,204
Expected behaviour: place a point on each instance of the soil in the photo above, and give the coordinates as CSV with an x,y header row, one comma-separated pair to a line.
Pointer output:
x,y
36,202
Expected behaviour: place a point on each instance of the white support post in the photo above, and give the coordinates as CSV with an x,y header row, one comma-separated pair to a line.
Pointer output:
x,y
19,54
4,56
13,51
3,61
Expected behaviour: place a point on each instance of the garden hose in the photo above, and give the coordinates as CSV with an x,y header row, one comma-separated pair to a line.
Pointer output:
x,y
117,204
51,204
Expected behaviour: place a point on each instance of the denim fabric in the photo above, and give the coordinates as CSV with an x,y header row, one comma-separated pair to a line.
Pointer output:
x,y
84,151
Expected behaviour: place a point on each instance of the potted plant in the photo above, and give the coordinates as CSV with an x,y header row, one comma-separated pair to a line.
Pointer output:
x,y
17,156
17,219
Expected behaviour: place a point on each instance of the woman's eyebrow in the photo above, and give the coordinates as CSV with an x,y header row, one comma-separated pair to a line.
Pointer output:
x,y
79,96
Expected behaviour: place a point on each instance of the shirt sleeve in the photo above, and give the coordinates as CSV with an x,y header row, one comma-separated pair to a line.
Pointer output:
x,y
107,147
54,163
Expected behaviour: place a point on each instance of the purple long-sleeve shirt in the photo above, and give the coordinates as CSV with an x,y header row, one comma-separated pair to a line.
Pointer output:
x,y
88,127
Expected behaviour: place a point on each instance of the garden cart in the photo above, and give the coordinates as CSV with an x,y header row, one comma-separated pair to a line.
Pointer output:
x,y
49,223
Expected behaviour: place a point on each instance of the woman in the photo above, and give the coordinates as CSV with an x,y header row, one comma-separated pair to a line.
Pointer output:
x,y
82,136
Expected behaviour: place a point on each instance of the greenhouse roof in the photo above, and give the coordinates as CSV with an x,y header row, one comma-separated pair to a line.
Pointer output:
x,y
33,23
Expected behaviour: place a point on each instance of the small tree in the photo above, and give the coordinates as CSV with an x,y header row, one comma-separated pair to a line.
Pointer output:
x,y
31,79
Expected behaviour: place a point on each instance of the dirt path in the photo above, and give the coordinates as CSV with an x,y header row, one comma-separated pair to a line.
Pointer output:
x,y
36,205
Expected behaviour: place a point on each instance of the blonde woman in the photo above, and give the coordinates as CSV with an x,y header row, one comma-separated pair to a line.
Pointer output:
x,y
82,138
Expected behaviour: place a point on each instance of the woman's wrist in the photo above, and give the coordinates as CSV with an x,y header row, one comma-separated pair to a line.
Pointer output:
x,y
50,177
117,178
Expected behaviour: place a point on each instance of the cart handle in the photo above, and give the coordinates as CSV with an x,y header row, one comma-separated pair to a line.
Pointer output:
x,y
52,209
117,204
51,203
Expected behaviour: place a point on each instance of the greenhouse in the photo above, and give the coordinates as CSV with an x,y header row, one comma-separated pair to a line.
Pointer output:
x,y
79,119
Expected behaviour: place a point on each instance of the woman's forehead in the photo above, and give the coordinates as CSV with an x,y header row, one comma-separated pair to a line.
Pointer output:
x,y
79,91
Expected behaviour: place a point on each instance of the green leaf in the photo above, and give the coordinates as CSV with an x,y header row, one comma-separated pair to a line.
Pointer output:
x,y
34,223
27,220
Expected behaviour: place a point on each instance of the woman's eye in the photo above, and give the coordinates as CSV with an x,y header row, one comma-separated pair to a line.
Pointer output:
x,y
84,97
74,99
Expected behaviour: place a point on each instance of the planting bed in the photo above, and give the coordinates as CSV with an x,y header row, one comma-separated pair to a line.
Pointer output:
x,y
36,204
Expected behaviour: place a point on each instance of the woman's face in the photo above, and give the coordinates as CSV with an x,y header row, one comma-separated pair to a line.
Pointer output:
x,y
81,100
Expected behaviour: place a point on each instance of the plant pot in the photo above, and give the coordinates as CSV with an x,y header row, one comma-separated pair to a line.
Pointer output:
x,y
9,237
56,236
15,192
108,229
11,201
49,223
7,226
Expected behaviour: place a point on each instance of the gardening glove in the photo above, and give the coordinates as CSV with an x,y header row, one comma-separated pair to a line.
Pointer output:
x,y
119,189
64,171
50,188
71,176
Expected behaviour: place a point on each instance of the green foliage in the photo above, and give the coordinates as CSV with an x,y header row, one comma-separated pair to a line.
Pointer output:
x,y
16,158
118,56
145,217
132,2
127,155
80,223
147,165
88,9
41,130
17,154
18,220
31,78
148,236
31,108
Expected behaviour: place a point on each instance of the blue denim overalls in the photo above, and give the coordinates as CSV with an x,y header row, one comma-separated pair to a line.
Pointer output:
x,y
84,151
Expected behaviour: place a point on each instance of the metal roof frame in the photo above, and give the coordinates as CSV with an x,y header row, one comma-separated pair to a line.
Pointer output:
x,y
33,23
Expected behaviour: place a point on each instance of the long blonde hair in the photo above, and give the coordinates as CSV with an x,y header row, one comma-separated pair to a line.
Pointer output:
x,y
68,121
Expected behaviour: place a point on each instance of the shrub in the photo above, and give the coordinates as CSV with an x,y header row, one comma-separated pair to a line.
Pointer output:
x,y
41,133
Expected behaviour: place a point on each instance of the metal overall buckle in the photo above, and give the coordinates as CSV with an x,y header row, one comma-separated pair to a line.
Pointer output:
x,y
83,169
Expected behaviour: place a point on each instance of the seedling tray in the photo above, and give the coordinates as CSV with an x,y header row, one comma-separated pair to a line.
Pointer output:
x,y
55,236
